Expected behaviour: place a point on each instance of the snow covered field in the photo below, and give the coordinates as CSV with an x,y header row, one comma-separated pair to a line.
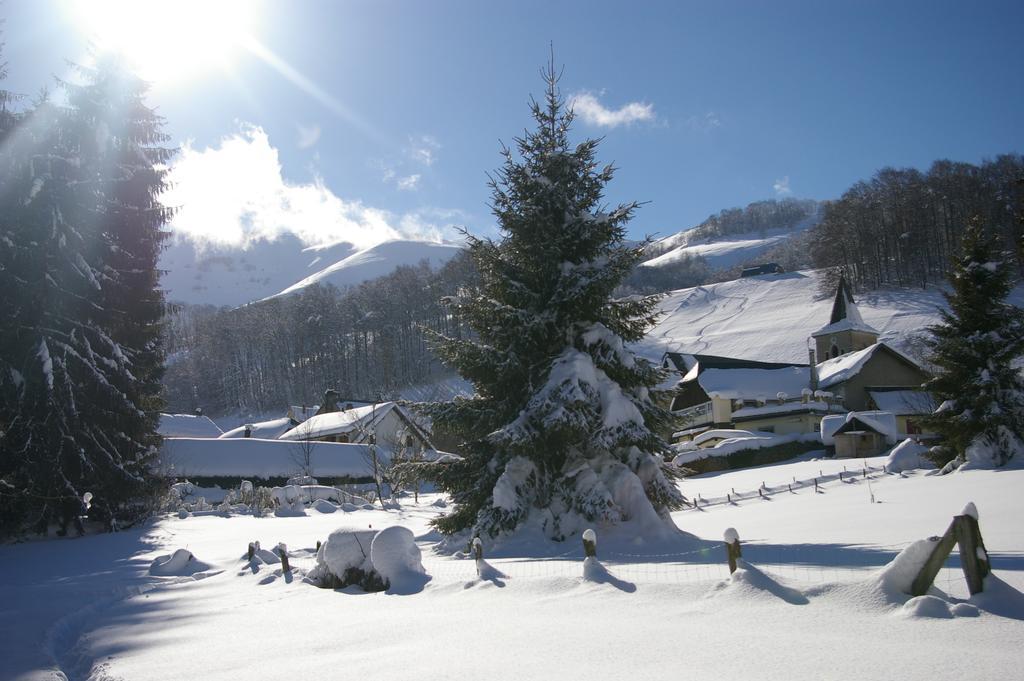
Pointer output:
x,y
810,608
770,317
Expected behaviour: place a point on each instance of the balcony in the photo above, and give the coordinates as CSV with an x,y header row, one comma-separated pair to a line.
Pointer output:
x,y
695,416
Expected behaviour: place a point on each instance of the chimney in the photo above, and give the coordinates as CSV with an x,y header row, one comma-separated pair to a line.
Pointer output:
x,y
813,365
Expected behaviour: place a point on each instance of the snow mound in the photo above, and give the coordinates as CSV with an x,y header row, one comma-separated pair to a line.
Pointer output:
x,y
934,607
348,507
595,572
907,456
999,598
440,503
176,564
895,579
397,559
748,582
324,506
927,606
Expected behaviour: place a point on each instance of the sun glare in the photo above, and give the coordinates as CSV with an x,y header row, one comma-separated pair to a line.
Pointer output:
x,y
168,40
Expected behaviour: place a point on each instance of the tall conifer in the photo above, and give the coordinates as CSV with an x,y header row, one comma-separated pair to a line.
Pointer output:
x,y
80,350
979,390
562,431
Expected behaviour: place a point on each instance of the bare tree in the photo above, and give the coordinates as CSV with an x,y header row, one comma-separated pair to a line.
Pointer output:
x,y
301,453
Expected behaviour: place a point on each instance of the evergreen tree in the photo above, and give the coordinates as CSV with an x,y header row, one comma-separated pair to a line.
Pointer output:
x,y
980,392
80,350
563,428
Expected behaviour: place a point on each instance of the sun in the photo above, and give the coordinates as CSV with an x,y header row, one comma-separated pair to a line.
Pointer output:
x,y
169,40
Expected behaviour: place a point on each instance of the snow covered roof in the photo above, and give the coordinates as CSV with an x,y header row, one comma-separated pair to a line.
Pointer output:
x,y
266,430
845,314
839,369
256,458
728,434
359,420
881,422
187,425
845,367
829,425
902,402
754,383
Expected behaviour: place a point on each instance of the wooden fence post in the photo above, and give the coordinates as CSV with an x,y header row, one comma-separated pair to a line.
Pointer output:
x,y
590,544
973,557
965,533
732,548
282,551
478,548
931,567
252,551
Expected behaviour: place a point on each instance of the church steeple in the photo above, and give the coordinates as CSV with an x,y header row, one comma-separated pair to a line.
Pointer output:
x,y
843,303
846,330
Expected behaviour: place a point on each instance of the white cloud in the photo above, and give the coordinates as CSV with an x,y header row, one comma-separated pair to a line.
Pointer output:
x,y
587,107
781,187
706,123
423,149
308,136
234,193
409,183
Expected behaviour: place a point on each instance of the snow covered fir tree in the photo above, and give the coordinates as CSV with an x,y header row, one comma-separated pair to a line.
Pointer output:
x,y
979,391
80,320
562,431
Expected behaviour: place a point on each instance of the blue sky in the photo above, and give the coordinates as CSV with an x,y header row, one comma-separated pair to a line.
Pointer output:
x,y
394,110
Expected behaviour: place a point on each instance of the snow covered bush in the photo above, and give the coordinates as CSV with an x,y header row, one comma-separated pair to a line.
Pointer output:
x,y
396,558
979,391
563,429
907,456
344,560
372,560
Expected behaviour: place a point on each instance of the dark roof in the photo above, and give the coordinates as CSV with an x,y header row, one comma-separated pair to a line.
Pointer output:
x,y
765,268
843,295
717,362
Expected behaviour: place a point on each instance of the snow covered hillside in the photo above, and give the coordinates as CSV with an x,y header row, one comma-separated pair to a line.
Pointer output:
x,y
723,252
771,317
811,601
377,261
235,276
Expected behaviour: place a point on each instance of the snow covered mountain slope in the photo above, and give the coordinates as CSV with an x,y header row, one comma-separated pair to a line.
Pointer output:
x,y
771,317
377,261
235,276
723,252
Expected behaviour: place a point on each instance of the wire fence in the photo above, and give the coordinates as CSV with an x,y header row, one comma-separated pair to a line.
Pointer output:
x,y
799,566
817,483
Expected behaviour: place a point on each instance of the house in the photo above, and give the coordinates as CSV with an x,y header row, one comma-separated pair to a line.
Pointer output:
x,y
385,423
765,268
859,434
187,425
908,406
725,393
858,373
225,462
